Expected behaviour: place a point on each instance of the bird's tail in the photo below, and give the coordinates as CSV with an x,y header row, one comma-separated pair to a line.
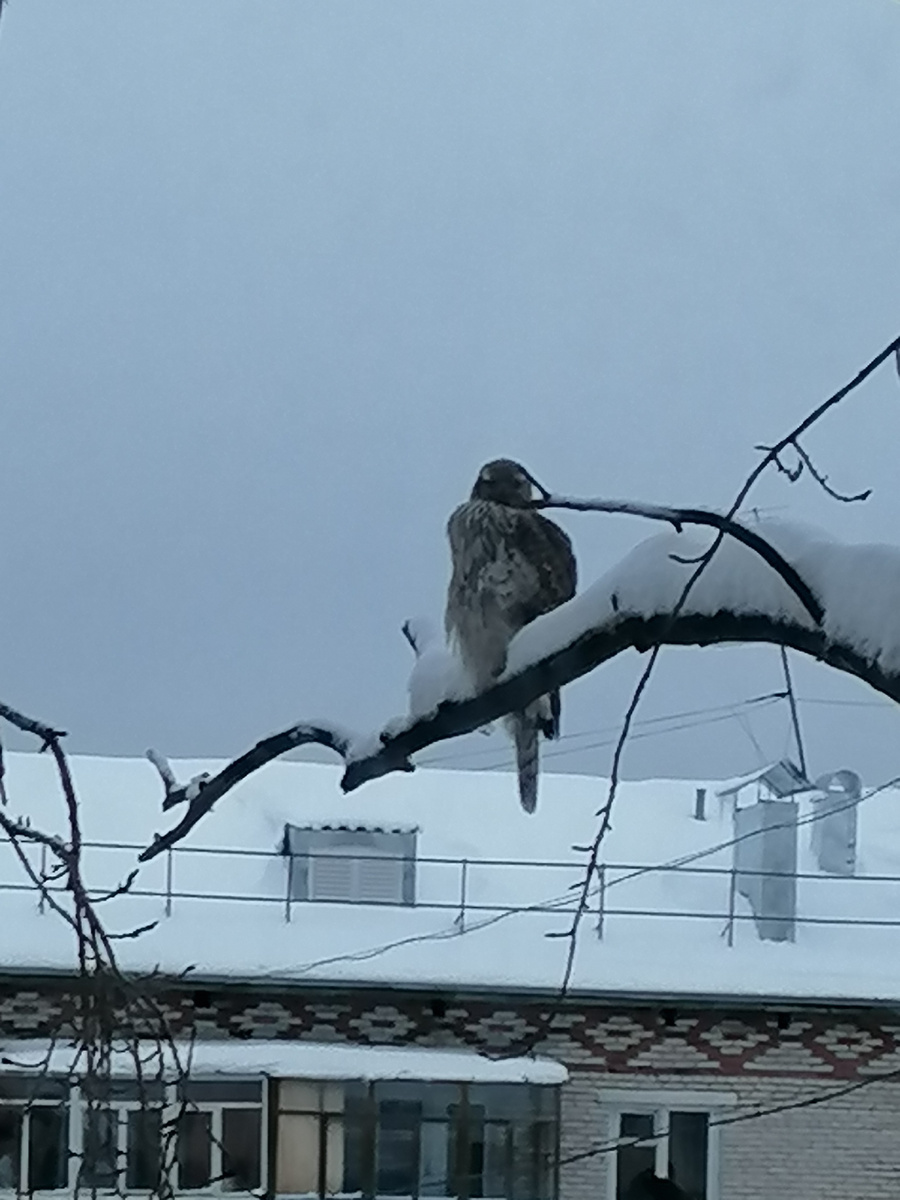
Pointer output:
x,y
524,729
548,715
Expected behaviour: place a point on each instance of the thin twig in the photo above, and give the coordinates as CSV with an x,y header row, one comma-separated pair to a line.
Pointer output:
x,y
822,481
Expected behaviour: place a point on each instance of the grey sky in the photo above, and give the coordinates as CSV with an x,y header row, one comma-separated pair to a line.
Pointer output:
x,y
277,277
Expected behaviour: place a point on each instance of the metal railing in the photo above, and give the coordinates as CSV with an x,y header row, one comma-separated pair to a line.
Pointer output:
x,y
476,888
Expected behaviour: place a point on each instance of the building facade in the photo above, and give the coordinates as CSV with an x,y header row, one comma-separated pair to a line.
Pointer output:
x,y
731,1104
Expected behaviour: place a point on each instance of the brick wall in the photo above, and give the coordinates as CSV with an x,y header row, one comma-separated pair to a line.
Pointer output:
x,y
846,1149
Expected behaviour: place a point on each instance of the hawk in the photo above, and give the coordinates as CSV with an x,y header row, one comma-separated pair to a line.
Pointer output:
x,y
510,565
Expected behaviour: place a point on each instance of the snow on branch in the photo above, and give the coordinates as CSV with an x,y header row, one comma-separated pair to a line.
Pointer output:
x,y
201,793
679,517
778,583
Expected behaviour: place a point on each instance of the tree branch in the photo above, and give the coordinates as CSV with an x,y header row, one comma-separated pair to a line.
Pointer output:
x,y
393,749
591,650
201,794
679,517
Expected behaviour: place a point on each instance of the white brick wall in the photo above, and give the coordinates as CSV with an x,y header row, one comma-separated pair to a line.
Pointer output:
x,y
846,1149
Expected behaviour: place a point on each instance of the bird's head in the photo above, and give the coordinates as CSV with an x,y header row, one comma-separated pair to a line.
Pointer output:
x,y
505,482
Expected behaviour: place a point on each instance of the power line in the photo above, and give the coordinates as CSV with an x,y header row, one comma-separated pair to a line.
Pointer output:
x,y
738,1118
765,699
506,763
726,712
560,900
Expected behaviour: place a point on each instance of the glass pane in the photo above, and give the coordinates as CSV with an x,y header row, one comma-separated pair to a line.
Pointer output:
x,y
194,1146
332,1097
436,1175
99,1166
525,1150
222,1091
33,1087
397,1148
505,1101
143,1152
297,1163
546,1153
357,1138
10,1147
48,1148
496,1160
144,1090
545,1100
302,1096
688,1141
240,1149
632,1161
435,1100
334,1155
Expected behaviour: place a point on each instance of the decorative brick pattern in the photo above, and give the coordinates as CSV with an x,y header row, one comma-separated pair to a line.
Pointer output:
x,y
637,1040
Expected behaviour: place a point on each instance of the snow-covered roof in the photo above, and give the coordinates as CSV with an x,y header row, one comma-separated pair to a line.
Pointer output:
x,y
500,941
353,827
298,1060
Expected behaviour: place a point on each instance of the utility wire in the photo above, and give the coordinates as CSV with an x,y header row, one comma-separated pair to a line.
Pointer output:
x,y
733,707
506,763
737,1118
562,899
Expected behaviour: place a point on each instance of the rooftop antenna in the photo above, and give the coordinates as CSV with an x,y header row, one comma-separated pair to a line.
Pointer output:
x,y
792,701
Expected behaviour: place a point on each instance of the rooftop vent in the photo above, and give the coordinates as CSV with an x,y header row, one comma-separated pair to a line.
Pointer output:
x,y
765,865
350,863
833,831
765,848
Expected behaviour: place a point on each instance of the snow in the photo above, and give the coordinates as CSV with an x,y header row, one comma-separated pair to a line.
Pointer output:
x,y
229,875
857,585
298,1059
783,779
438,673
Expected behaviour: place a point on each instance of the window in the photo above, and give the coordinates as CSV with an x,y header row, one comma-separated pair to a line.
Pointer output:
x,y
219,1139
34,1135
121,1135
417,1139
118,1135
669,1134
357,865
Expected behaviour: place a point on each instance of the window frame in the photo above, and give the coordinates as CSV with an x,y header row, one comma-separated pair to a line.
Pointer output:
x,y
216,1108
366,1120
75,1105
25,1107
659,1103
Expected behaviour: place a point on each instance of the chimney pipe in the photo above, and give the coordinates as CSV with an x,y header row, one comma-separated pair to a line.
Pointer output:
x,y
700,805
